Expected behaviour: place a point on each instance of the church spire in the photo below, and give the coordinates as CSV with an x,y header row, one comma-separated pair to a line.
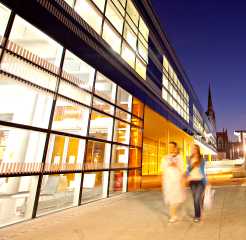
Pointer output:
x,y
210,112
210,102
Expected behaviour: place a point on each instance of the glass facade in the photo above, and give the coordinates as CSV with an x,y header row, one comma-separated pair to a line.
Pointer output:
x,y
68,134
119,21
173,91
197,121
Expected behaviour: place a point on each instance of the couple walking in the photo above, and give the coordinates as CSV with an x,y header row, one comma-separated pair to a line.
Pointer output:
x,y
176,177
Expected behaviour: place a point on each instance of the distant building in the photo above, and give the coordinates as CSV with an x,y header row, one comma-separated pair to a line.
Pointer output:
x,y
236,150
223,146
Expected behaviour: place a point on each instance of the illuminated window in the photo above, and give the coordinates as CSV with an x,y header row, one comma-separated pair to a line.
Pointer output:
x,y
111,37
4,17
128,55
118,182
135,157
130,36
132,12
64,153
123,115
90,14
30,38
95,186
101,126
17,198
100,4
141,68
134,180
69,90
97,155
77,71
23,103
103,106
124,99
197,120
143,29
105,88
119,156
70,117
70,2
114,16
121,132
137,108
173,91
58,192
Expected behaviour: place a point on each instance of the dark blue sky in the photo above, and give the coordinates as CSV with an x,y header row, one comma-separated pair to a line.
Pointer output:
x,y
210,40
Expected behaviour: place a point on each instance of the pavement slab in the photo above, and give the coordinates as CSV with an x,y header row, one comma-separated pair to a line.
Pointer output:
x,y
139,215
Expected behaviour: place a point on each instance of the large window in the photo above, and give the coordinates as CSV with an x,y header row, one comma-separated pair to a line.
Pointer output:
x,y
66,128
173,91
124,27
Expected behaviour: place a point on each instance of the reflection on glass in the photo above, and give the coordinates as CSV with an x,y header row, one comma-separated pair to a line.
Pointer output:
x,y
103,106
17,196
121,132
118,182
124,99
77,71
24,104
97,155
136,136
119,157
95,186
137,122
58,192
123,115
134,180
30,38
135,157
70,117
89,13
64,154
101,126
21,151
4,17
105,88
137,108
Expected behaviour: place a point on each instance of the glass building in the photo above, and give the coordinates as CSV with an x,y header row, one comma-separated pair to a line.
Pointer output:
x,y
91,92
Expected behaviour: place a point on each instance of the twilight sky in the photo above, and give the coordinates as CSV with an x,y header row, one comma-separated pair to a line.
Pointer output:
x,y
210,40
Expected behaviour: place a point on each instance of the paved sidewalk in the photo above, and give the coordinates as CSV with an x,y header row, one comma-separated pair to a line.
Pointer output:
x,y
139,216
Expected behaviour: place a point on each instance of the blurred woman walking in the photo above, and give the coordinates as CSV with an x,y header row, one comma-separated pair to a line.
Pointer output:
x,y
173,172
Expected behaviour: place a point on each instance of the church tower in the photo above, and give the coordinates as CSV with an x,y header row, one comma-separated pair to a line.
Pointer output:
x,y
210,112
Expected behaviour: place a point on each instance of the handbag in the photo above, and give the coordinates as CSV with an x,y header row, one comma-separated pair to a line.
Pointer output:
x,y
208,197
